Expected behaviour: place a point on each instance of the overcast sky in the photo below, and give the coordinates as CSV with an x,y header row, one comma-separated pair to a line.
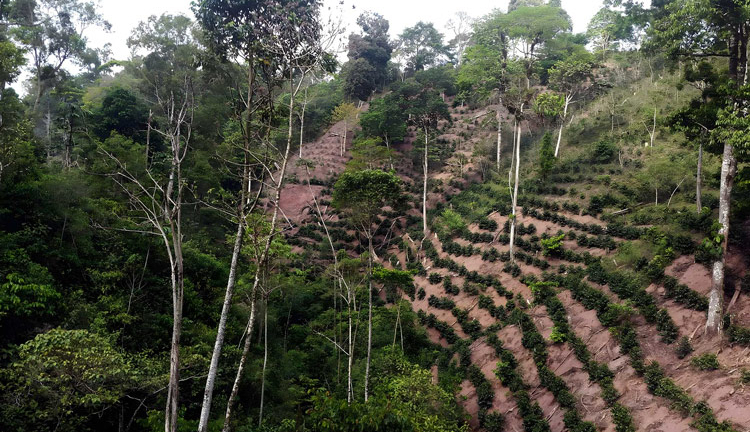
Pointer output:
x,y
125,15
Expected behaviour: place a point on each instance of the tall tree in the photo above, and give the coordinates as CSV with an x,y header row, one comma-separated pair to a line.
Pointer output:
x,y
422,46
276,42
54,33
530,28
369,54
460,26
570,77
484,74
697,28
427,110
362,195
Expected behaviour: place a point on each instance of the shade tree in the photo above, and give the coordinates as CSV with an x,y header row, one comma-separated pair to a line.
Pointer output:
x,y
421,47
363,195
570,77
692,29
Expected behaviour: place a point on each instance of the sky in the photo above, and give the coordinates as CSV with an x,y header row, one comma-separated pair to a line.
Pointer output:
x,y
125,15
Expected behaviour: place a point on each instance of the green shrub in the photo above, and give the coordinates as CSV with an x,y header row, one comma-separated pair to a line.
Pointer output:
x,y
706,361
684,348
604,152
557,336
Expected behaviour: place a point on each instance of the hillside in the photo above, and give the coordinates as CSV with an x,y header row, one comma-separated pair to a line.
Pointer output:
x,y
274,216
472,289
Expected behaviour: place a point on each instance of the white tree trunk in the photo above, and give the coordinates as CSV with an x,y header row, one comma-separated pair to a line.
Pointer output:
x,y
716,297
515,193
265,360
499,135
220,333
243,359
424,187
699,179
302,124
350,354
263,255
369,314
568,99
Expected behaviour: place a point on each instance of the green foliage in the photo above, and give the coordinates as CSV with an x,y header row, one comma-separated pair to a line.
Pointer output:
x,y
363,194
19,298
453,221
552,245
547,158
557,336
548,106
684,348
604,152
64,376
705,361
385,118
422,46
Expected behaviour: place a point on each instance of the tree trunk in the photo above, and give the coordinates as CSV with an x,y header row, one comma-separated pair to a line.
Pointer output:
x,y
302,124
264,253
699,179
265,360
220,333
424,187
515,193
343,141
236,251
568,98
172,408
716,297
243,359
350,360
369,313
499,135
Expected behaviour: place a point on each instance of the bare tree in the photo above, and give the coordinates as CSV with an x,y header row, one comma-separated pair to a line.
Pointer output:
x,y
460,26
158,198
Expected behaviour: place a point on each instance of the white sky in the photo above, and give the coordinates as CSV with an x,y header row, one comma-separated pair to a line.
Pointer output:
x,y
125,15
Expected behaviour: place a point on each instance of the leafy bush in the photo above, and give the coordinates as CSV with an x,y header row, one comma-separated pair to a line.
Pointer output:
x,y
552,245
435,278
706,361
684,348
604,152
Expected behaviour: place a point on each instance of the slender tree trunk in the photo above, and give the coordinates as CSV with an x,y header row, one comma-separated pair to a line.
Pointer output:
x,y
515,194
350,360
172,409
219,343
148,135
343,141
243,359
265,360
716,297
388,146
369,313
653,129
236,251
173,210
499,135
568,98
302,124
424,186
264,255
699,179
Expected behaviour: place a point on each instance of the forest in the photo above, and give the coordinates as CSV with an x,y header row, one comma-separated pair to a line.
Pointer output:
x,y
266,219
